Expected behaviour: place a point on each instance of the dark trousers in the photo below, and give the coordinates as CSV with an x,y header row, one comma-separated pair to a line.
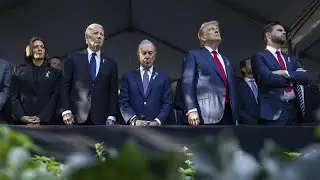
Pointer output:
x,y
290,114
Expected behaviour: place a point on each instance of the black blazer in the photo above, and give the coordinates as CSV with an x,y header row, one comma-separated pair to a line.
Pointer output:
x,y
82,95
34,92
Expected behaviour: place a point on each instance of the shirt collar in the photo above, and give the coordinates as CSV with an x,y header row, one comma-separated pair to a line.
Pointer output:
x,y
273,50
248,79
98,53
210,49
150,69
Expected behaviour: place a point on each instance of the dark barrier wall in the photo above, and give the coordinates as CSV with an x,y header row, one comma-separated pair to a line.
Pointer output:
x,y
59,141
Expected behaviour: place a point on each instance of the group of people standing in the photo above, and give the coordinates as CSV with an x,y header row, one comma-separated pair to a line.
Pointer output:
x,y
86,91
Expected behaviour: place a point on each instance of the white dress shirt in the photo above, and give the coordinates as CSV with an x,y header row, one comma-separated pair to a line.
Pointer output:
x,y
222,63
248,81
150,71
98,59
286,95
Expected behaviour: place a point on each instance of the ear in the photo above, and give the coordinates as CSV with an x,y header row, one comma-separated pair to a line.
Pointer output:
x,y
243,70
268,35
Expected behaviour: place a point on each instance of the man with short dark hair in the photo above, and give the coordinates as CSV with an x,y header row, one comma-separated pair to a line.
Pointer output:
x,y
248,95
278,77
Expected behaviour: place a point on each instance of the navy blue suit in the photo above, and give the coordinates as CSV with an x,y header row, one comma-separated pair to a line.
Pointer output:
x,y
271,86
248,106
157,103
204,89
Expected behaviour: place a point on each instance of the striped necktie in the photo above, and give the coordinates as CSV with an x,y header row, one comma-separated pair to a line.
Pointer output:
x,y
300,98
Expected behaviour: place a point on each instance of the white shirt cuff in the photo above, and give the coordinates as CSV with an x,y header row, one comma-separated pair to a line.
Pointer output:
x,y
158,121
287,73
66,112
111,118
192,110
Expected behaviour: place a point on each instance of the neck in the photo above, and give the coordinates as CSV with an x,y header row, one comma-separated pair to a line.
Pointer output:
x,y
213,45
94,49
249,76
38,62
274,45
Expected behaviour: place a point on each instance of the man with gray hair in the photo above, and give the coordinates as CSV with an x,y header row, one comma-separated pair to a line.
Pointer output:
x,y
208,81
145,94
89,90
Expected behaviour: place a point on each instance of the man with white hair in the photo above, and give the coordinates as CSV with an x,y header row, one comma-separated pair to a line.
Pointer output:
x,y
208,81
145,95
89,89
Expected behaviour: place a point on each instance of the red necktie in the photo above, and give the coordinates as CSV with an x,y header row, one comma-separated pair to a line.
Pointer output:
x,y
223,74
283,67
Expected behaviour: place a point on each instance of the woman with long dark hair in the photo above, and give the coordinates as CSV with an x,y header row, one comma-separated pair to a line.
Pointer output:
x,y
35,86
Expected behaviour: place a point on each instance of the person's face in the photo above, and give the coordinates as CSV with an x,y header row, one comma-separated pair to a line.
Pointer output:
x,y
55,63
38,50
248,66
278,35
146,55
211,33
95,38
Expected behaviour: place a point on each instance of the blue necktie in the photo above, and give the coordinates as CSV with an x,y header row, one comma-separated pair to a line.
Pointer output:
x,y
145,80
93,65
254,89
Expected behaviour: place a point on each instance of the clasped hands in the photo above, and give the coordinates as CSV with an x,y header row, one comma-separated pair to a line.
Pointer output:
x,y
146,123
31,120
68,119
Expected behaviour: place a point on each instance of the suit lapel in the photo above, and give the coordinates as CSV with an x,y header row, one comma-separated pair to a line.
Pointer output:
x,y
137,77
228,69
272,59
152,81
287,61
85,63
249,90
103,64
210,59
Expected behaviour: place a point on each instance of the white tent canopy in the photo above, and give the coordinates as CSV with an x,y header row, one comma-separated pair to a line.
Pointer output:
x,y
172,25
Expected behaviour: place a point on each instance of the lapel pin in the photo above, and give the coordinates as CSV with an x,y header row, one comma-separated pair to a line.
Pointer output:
x,y
155,75
103,61
288,59
47,74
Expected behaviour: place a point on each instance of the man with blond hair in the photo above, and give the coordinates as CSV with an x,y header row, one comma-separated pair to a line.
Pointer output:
x,y
89,90
208,81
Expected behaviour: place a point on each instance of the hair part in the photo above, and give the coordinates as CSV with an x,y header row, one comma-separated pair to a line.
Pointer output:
x,y
92,27
146,41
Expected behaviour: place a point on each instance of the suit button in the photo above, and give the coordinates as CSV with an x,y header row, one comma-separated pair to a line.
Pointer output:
x,y
144,103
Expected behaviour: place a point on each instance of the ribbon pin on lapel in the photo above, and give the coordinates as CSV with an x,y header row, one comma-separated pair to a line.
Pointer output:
x,y
103,61
155,75
288,59
47,74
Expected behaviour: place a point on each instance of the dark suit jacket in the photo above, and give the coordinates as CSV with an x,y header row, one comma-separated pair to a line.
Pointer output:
x,y
34,91
204,88
5,79
271,86
82,95
157,103
312,105
248,106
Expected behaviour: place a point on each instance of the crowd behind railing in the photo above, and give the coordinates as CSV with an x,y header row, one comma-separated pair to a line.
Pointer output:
x,y
274,89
